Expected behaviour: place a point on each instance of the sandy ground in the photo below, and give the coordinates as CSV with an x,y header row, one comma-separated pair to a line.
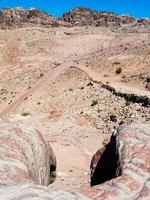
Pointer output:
x,y
51,80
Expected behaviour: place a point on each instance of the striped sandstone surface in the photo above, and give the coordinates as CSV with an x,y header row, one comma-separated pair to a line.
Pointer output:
x,y
133,147
26,160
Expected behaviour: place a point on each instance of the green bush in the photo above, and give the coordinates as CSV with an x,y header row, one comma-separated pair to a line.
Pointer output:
x,y
94,103
127,103
82,88
119,70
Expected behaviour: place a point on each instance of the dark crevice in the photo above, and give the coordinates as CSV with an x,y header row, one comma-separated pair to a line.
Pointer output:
x,y
52,173
52,168
108,166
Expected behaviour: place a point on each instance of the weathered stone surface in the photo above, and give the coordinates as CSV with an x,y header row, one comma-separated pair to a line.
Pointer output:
x,y
133,146
81,16
18,17
25,154
29,191
25,165
25,160
144,21
85,17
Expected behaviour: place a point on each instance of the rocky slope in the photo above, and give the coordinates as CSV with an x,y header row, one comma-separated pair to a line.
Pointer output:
x,y
80,16
85,17
18,17
52,79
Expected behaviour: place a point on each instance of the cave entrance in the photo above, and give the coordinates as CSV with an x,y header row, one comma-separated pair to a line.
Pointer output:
x,y
108,166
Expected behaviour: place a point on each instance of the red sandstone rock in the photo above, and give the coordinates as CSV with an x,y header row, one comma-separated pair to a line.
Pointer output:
x,y
25,160
25,156
133,146
25,165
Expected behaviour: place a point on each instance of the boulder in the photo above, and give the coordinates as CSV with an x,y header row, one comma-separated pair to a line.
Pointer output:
x,y
120,170
25,156
27,165
123,170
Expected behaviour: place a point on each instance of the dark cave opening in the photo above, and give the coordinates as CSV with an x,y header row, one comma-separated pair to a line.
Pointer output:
x,y
52,177
108,166
52,168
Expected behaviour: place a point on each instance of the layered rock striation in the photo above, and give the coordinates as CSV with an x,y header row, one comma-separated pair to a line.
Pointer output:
x,y
128,163
120,171
27,165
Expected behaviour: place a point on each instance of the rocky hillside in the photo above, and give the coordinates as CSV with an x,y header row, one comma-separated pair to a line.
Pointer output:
x,y
18,17
80,16
84,17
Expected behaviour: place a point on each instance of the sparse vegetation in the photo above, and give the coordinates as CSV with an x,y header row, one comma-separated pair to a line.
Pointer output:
x,y
127,103
74,94
98,110
25,114
25,98
118,70
106,75
116,63
41,74
82,88
94,103
90,84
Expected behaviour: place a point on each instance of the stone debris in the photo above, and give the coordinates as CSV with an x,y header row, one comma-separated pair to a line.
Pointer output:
x,y
132,97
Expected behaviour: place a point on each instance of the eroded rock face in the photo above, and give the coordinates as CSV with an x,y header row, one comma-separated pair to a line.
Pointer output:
x,y
80,16
133,146
144,21
24,155
18,17
25,160
84,17
27,165
109,164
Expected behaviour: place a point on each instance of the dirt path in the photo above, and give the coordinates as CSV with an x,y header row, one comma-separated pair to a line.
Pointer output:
x,y
77,62
117,85
72,138
51,75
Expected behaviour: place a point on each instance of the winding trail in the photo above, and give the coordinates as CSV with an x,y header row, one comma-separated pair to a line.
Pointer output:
x,y
120,87
100,53
51,75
